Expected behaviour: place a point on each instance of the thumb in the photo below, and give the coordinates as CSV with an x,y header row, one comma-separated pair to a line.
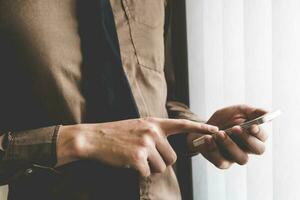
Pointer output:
x,y
203,144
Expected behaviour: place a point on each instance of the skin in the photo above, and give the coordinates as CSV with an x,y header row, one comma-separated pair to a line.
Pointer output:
x,y
138,143
142,144
223,150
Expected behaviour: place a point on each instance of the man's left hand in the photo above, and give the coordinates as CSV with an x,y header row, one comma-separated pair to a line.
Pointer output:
x,y
223,150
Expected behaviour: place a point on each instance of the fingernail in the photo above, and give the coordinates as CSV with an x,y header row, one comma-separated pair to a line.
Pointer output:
x,y
199,141
221,135
213,129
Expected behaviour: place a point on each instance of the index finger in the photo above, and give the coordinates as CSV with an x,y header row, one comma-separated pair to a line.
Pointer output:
x,y
175,126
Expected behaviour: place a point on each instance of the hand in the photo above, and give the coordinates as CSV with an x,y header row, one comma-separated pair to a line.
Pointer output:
x,y
139,143
223,150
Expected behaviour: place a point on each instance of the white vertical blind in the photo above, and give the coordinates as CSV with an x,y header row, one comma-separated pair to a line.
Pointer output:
x,y
248,52
286,94
258,90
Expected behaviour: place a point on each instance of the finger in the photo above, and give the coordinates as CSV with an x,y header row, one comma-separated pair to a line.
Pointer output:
x,y
230,149
203,144
210,151
253,144
156,162
141,165
145,169
174,126
166,151
251,112
194,140
258,132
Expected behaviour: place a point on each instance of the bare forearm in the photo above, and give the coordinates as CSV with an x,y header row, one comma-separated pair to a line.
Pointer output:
x,y
129,143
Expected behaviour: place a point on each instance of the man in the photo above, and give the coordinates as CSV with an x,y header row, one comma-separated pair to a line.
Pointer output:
x,y
84,104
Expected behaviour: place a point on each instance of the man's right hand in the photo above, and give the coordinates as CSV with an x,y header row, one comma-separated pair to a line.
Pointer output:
x,y
138,143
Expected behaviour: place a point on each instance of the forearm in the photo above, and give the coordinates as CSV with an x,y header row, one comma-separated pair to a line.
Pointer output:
x,y
119,144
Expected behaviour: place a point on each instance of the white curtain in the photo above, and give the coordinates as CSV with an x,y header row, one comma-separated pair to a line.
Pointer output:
x,y
248,51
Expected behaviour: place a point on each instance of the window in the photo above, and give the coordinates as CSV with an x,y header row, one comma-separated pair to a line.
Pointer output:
x,y
248,52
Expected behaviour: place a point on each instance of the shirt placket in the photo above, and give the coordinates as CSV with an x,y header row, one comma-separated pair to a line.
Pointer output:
x,y
145,183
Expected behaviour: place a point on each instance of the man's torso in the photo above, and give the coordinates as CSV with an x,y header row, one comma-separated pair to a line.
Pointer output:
x,y
43,49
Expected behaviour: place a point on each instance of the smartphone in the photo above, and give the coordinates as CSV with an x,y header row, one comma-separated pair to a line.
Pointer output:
x,y
258,121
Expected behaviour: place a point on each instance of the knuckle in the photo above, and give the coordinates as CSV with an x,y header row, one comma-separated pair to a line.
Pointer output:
x,y
139,155
145,141
242,107
152,130
219,111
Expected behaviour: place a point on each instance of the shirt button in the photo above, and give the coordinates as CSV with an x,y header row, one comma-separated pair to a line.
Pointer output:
x,y
29,171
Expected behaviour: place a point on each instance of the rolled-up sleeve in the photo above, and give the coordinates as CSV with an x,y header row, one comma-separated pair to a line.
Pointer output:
x,y
181,111
25,150
175,106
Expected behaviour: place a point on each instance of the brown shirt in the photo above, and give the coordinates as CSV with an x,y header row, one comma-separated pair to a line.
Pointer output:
x,y
48,48
140,27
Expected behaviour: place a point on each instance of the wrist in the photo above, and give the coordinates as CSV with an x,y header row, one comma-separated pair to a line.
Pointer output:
x,y
70,144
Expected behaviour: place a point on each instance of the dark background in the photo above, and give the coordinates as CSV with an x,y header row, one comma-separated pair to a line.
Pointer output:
x,y
180,61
